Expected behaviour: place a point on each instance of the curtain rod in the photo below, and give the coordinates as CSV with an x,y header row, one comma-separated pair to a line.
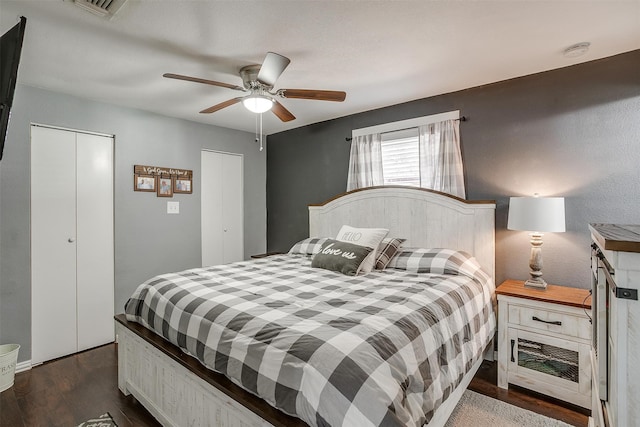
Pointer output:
x,y
462,119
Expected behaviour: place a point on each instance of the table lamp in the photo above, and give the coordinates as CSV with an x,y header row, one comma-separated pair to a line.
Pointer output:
x,y
537,215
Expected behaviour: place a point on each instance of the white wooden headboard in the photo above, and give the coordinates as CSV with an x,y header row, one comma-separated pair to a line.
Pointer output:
x,y
427,219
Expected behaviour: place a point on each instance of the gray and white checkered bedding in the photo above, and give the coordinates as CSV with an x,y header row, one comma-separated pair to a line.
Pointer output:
x,y
384,349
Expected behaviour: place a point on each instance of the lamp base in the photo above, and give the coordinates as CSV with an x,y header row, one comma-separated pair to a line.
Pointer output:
x,y
537,283
535,263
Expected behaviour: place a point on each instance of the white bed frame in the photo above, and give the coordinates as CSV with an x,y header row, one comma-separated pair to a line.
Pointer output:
x,y
427,219
180,392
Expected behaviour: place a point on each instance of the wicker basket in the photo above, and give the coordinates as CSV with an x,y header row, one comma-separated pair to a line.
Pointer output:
x,y
8,360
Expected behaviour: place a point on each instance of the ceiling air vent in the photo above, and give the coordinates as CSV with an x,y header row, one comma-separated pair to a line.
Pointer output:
x,y
104,8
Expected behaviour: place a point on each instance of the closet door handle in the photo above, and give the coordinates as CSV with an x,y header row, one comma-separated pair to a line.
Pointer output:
x,y
554,322
71,239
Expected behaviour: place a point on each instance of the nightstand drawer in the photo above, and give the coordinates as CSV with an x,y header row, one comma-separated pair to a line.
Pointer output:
x,y
549,320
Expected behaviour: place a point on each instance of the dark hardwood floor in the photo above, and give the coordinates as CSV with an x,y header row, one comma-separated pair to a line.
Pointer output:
x,y
67,391
486,380
70,390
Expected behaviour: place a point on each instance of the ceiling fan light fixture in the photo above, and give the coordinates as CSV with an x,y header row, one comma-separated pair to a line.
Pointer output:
x,y
257,103
258,82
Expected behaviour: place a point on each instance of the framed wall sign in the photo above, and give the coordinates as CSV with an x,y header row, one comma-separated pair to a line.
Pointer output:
x,y
162,181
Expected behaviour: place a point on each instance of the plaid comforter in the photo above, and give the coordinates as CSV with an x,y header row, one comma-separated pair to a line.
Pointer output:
x,y
383,349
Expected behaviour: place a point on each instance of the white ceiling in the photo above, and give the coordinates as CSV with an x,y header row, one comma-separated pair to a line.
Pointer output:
x,y
380,52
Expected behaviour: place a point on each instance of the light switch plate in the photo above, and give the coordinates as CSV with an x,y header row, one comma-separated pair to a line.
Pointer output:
x,y
173,207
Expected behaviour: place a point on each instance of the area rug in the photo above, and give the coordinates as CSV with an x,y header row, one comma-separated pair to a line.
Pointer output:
x,y
473,410
103,420
477,410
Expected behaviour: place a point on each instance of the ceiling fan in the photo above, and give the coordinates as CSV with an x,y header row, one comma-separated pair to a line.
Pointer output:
x,y
258,81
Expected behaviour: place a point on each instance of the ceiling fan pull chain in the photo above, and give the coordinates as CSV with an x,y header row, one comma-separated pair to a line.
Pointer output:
x,y
256,128
261,148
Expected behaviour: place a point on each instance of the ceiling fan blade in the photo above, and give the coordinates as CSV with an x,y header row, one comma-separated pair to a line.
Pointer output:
x,y
282,113
320,95
222,105
198,80
272,66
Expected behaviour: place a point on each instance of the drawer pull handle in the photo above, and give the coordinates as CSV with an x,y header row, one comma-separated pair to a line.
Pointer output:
x,y
555,322
513,343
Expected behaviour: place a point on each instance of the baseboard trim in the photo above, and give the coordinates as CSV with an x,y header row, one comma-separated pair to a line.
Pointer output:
x,y
23,366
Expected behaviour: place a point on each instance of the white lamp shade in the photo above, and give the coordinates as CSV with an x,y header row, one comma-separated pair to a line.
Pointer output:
x,y
536,214
257,103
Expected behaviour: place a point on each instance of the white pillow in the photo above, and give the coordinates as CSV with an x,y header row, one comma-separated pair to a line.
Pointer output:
x,y
369,237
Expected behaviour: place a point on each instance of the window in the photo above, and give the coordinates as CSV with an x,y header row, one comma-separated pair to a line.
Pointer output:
x,y
401,158
421,152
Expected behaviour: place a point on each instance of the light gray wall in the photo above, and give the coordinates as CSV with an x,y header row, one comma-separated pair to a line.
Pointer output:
x,y
572,132
147,240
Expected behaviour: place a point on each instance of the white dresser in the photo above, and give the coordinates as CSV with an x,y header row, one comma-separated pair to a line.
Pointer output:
x,y
615,264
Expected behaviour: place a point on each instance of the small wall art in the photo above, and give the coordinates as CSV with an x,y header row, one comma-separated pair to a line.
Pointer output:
x,y
144,183
163,181
165,187
182,185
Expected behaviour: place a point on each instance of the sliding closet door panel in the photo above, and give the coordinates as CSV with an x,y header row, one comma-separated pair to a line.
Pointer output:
x,y
222,203
95,270
211,208
232,217
53,243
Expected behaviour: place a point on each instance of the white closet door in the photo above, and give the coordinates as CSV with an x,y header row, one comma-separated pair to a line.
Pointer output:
x,y
53,244
211,208
72,274
222,218
95,270
232,217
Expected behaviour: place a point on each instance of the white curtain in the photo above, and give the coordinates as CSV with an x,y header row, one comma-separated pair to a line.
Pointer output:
x,y
441,159
365,164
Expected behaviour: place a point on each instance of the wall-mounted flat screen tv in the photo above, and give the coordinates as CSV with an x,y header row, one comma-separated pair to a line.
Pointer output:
x,y
10,48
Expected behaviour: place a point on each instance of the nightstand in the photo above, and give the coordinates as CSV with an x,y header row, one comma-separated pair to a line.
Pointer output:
x,y
544,340
266,254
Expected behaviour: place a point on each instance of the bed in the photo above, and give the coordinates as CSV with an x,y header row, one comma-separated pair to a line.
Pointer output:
x,y
322,347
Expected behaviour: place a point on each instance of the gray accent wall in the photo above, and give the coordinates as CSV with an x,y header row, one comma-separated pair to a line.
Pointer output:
x,y
148,241
572,132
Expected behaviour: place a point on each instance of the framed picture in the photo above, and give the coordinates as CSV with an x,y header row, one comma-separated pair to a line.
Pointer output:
x,y
144,183
165,189
182,185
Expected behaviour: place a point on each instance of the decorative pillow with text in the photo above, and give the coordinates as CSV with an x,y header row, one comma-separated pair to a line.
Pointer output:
x,y
369,237
342,257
